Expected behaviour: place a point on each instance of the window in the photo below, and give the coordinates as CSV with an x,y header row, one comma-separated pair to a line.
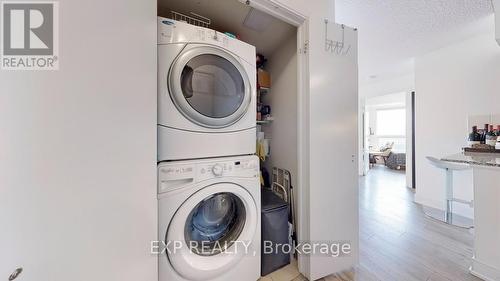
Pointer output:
x,y
391,122
391,128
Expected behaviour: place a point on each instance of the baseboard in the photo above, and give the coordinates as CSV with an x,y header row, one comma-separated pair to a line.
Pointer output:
x,y
484,271
429,202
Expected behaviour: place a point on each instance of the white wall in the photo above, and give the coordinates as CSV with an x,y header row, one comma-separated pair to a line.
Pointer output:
x,y
451,84
77,152
282,65
404,83
388,100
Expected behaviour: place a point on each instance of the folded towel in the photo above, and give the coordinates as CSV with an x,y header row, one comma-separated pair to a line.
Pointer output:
x,y
261,151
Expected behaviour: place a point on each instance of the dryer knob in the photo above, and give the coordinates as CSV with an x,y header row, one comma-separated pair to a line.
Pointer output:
x,y
217,169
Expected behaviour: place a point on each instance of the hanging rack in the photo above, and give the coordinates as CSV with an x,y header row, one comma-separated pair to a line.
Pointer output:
x,y
335,46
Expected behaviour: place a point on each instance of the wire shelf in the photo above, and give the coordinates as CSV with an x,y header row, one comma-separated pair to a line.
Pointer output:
x,y
193,19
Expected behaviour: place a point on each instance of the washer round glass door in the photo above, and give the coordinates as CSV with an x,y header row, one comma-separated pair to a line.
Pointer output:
x,y
209,86
215,223
213,228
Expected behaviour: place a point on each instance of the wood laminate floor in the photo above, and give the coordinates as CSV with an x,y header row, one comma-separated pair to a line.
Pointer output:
x,y
397,241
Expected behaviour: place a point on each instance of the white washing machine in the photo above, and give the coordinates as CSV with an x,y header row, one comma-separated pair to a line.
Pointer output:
x,y
209,216
206,93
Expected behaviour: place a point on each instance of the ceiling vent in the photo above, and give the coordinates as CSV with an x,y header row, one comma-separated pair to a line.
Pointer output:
x,y
257,20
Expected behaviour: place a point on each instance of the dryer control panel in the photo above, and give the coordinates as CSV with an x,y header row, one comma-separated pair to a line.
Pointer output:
x,y
171,31
175,175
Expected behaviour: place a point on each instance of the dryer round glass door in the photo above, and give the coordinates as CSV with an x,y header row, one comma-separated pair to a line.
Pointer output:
x,y
214,227
209,86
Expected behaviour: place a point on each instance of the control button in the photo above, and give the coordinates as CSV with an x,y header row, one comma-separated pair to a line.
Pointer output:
x,y
217,169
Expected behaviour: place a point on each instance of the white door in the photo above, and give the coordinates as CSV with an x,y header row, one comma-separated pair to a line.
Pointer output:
x,y
209,86
213,225
333,155
77,150
328,133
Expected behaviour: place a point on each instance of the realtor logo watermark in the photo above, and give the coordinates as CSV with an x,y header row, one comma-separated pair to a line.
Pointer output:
x,y
30,35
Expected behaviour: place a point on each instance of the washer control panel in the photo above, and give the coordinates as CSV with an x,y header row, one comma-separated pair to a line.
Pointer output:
x,y
177,172
239,168
217,170
176,175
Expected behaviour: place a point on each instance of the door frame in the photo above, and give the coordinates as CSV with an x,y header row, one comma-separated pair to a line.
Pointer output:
x,y
301,22
413,130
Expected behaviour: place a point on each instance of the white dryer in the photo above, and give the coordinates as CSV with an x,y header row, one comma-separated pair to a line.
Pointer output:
x,y
206,93
209,216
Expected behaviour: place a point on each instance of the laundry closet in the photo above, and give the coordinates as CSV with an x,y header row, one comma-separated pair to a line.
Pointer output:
x,y
276,41
206,119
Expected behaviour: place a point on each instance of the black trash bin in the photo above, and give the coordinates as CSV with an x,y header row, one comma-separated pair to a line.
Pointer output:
x,y
274,232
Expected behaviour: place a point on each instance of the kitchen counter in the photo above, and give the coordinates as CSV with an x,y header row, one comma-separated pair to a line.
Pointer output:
x,y
475,159
486,173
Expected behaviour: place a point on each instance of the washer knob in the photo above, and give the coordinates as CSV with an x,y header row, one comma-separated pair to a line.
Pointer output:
x,y
217,170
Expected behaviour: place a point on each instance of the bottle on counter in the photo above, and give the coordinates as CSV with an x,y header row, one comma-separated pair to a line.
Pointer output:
x,y
474,137
497,146
491,137
484,132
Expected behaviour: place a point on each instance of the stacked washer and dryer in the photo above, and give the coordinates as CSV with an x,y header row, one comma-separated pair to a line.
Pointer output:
x,y
208,175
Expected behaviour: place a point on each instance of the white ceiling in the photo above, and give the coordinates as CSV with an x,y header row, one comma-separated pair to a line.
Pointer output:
x,y
228,16
393,32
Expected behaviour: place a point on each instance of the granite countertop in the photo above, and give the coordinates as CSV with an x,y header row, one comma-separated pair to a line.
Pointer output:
x,y
476,159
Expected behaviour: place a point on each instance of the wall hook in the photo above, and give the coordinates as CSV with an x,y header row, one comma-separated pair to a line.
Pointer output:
x,y
16,273
335,46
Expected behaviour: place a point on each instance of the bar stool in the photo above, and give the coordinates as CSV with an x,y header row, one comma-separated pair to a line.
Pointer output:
x,y
448,216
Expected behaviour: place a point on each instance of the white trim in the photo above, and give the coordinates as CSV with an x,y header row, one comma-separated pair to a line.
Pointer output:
x,y
303,229
496,9
277,10
484,271
293,17
390,136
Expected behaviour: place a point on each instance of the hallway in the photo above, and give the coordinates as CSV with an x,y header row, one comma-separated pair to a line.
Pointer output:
x,y
398,242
